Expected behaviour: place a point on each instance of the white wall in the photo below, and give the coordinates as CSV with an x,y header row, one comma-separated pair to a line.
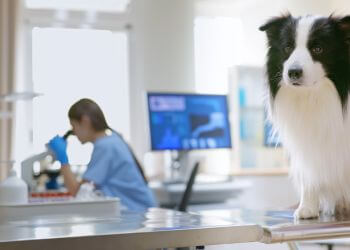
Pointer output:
x,y
268,192
162,57
254,13
340,7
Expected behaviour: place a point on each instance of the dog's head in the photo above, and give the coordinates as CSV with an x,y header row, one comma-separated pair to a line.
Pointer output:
x,y
304,50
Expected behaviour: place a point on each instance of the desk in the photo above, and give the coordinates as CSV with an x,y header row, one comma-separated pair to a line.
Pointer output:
x,y
202,192
130,231
166,228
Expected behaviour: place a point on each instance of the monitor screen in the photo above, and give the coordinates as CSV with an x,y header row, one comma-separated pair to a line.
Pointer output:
x,y
188,121
271,138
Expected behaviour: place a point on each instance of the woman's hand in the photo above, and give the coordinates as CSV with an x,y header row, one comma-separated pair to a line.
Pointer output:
x,y
58,146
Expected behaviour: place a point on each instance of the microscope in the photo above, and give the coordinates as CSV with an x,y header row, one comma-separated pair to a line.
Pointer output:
x,y
43,160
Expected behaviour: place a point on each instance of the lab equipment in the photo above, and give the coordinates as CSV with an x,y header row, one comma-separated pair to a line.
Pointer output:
x,y
13,190
88,191
185,122
188,121
81,208
41,160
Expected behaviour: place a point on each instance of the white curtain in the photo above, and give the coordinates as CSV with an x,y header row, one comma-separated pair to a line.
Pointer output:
x,y
8,34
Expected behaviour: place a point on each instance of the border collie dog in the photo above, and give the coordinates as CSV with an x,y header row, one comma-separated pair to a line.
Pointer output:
x,y
308,71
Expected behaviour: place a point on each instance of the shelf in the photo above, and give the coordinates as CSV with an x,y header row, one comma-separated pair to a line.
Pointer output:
x,y
252,108
261,171
18,96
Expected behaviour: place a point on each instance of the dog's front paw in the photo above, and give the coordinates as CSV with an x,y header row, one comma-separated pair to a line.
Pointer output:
x,y
306,212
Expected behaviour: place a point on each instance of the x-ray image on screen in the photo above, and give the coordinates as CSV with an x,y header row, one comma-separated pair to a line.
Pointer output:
x,y
188,121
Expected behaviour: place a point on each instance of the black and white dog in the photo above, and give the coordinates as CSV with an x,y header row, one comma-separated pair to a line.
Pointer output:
x,y
308,70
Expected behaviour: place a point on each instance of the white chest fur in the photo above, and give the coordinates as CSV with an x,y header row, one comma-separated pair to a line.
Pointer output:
x,y
316,133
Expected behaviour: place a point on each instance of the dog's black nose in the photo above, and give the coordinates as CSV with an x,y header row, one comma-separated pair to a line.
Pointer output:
x,y
295,73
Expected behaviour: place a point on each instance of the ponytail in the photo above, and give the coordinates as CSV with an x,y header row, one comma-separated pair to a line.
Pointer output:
x,y
138,164
98,121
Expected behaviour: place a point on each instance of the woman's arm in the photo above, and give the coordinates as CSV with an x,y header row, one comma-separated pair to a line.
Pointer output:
x,y
58,146
70,180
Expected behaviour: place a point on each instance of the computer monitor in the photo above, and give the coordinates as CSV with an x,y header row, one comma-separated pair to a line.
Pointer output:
x,y
188,121
271,138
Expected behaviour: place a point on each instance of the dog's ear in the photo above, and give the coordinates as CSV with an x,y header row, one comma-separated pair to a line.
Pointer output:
x,y
273,25
275,22
344,25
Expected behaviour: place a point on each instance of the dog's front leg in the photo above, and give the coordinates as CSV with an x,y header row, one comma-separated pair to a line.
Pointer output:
x,y
309,204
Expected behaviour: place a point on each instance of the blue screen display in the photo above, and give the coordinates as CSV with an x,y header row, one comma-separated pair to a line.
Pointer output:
x,y
188,121
271,138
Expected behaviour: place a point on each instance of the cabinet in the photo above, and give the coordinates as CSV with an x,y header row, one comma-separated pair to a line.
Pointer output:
x,y
256,148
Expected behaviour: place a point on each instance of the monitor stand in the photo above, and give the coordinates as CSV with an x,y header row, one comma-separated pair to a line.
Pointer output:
x,y
178,166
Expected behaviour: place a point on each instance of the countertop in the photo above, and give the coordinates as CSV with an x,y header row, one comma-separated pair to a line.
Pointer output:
x,y
159,228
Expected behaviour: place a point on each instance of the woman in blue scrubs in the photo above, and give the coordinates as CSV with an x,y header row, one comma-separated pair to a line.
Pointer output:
x,y
113,168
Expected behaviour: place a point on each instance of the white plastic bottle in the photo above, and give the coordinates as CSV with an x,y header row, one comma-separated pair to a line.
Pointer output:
x,y
13,190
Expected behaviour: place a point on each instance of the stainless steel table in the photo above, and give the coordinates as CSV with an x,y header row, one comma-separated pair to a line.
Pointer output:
x,y
160,228
280,226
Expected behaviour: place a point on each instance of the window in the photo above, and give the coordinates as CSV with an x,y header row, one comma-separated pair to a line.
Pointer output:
x,y
65,64
221,67
218,46
94,5
69,64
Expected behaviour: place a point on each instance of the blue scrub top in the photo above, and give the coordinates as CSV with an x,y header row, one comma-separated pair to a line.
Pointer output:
x,y
113,171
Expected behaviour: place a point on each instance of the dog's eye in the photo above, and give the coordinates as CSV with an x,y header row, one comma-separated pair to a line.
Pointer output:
x,y
317,50
287,49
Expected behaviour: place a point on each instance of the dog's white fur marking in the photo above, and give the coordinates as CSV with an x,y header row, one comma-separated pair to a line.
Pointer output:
x,y
310,120
313,72
316,131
